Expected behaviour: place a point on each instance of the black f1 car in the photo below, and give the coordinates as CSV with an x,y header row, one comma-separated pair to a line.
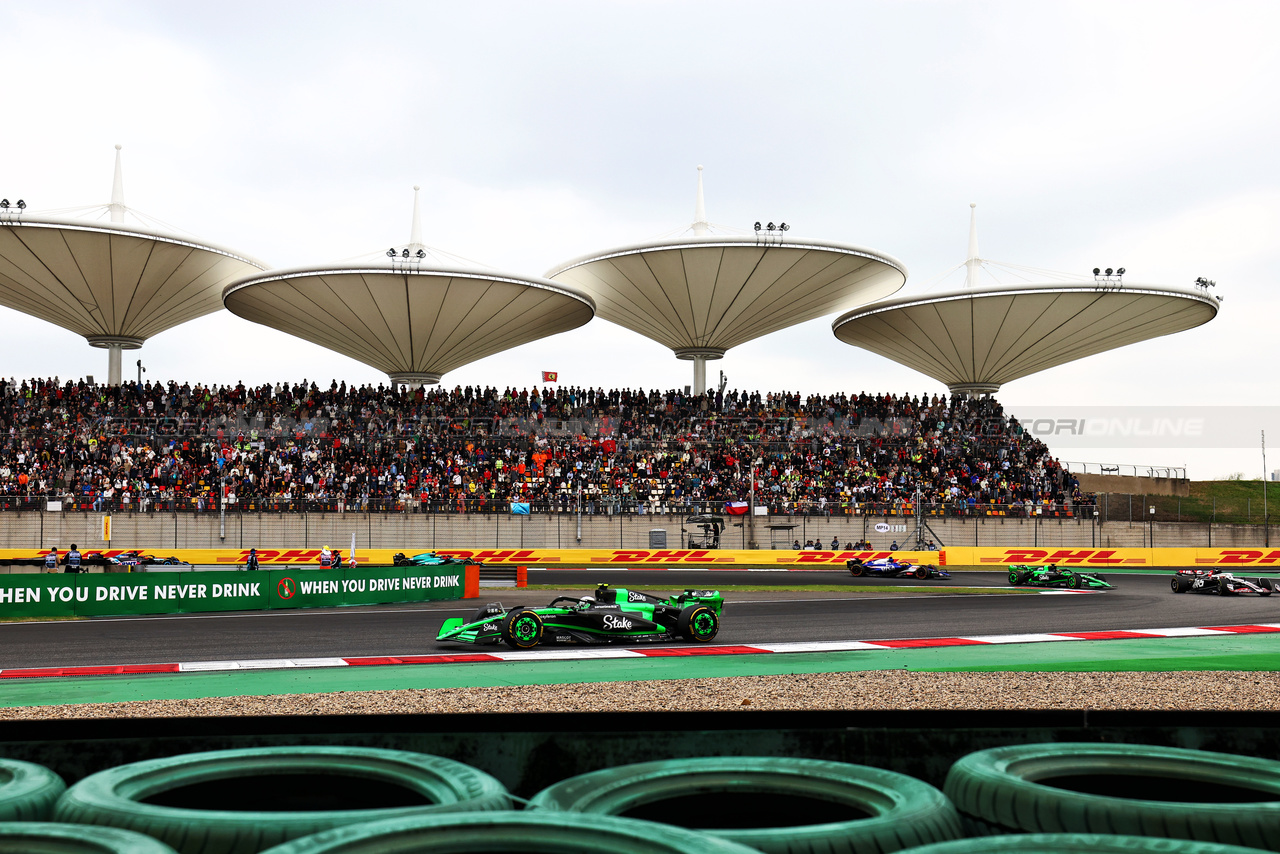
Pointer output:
x,y
134,559
1056,576
612,615
892,568
1217,581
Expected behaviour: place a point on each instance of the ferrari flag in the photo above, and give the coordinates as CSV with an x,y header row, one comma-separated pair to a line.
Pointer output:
x,y
549,376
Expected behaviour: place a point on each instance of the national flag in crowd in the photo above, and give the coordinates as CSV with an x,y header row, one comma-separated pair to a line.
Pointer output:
x,y
549,376
735,508
520,508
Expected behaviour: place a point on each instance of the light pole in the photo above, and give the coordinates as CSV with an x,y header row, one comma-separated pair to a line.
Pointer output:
x,y
1266,528
1151,527
141,371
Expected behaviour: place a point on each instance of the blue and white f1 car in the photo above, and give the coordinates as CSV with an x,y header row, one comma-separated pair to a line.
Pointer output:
x,y
888,567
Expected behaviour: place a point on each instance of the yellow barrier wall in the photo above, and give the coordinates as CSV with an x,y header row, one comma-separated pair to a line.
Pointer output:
x,y
727,558
1116,558
713,558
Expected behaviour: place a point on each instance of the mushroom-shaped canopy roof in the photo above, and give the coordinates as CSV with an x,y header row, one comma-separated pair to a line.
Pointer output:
x,y
111,281
975,340
707,293
414,320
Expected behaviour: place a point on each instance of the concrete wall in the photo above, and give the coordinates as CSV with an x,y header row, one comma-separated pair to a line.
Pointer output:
x,y
423,532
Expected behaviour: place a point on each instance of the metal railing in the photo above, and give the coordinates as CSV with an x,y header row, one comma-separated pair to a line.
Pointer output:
x,y
1126,469
588,505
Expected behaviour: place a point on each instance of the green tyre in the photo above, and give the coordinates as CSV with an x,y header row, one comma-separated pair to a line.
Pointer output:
x,y
39,837
771,804
524,832
1126,789
1079,843
27,791
698,624
242,801
522,629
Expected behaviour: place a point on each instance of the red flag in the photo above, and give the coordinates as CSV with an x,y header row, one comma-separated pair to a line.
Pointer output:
x,y
549,376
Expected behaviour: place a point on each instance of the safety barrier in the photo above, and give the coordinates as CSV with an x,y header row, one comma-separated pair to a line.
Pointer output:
x,y
94,595
369,560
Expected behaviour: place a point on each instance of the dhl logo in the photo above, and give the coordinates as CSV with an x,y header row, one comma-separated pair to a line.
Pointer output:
x,y
1241,557
832,557
1090,557
659,556
493,555
283,556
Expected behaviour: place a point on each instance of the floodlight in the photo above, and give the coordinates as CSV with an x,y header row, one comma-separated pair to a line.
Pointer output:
x,y
771,226
391,253
785,227
21,205
1120,272
404,254
6,204
1096,271
1108,271
422,253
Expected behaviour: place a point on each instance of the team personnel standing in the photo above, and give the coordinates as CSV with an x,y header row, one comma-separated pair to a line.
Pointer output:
x,y
326,558
73,560
252,562
51,560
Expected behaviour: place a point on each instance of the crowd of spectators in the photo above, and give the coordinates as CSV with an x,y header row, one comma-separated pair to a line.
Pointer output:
x,y
164,447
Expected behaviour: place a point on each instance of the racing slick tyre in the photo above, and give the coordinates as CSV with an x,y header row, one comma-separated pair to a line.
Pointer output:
x,y
1073,581
1224,588
40,837
27,791
921,573
855,570
522,629
772,804
525,832
1178,585
1017,578
1077,843
1135,789
1267,586
242,801
698,624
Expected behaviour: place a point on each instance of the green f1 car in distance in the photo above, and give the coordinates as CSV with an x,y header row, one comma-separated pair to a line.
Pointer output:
x,y
612,615
1056,576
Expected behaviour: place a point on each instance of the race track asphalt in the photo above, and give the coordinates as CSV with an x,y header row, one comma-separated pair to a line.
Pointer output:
x,y
1139,601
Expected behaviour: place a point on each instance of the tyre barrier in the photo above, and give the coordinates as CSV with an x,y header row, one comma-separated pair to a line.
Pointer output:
x,y
39,837
767,803
1127,789
27,791
1078,843
525,832
242,801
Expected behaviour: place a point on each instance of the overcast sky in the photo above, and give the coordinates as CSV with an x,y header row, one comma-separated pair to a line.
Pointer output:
x,y
1130,134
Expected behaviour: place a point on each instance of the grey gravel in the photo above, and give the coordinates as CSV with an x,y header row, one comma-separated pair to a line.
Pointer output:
x,y
862,690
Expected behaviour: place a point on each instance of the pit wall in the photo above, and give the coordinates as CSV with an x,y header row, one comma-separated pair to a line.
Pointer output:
x,y
370,561
93,595
422,532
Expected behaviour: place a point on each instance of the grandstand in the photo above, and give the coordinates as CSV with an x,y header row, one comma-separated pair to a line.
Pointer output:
x,y
703,293
115,283
168,448
415,312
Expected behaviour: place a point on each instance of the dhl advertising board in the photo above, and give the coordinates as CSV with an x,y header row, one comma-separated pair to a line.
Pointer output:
x,y
366,559
111,594
1114,558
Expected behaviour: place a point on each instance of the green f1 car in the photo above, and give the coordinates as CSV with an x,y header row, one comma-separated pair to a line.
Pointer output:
x,y
1056,576
612,615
